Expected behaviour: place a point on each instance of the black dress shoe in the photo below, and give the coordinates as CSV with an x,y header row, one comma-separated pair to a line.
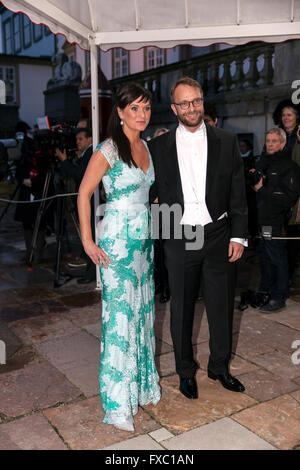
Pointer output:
x,y
273,306
229,382
84,280
188,387
244,303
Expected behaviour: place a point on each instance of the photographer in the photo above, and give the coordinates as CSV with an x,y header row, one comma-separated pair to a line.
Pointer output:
x,y
276,181
76,169
31,175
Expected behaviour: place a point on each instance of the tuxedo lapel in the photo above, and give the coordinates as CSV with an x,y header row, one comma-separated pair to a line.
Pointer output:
x,y
173,180
213,151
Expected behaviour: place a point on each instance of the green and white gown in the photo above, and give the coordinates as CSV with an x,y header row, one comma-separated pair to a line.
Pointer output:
x,y
127,374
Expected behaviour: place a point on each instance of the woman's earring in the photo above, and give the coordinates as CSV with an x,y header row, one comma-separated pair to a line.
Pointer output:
x,y
121,122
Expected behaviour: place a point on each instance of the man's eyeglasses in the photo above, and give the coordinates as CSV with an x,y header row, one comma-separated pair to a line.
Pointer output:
x,y
186,104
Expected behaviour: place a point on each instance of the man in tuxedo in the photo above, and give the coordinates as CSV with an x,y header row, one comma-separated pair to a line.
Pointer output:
x,y
199,168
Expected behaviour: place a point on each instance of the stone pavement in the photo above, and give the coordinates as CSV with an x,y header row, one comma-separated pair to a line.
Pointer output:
x,y
49,384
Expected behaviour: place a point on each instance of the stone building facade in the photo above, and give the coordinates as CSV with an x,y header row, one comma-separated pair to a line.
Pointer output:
x,y
244,82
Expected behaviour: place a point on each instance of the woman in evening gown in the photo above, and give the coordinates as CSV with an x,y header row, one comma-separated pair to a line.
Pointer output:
x,y
127,373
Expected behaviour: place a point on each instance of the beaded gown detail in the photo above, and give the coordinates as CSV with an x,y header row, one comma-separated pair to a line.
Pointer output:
x,y
127,373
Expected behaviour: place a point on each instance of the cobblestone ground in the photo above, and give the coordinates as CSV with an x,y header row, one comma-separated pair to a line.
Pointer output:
x,y
49,384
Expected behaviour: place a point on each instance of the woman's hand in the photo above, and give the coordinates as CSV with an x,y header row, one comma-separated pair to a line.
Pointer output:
x,y
97,255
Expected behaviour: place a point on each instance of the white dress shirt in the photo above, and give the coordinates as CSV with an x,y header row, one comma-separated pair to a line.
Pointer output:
x,y
192,161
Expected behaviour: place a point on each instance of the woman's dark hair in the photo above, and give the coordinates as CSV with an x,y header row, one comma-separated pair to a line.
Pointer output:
x,y
124,96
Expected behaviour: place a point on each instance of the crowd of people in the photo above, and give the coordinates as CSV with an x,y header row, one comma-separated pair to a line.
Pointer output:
x,y
268,204
222,188
66,177
272,191
128,168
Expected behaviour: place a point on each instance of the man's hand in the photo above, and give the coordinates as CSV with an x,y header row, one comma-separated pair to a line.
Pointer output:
x,y
27,182
62,156
259,185
235,251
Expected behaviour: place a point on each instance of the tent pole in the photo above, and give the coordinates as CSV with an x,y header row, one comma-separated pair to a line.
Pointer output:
x,y
95,129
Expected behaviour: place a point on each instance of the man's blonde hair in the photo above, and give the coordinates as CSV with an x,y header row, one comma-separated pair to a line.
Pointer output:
x,y
185,81
278,131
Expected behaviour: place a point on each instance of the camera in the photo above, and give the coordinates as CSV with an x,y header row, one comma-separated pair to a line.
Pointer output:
x,y
45,142
252,178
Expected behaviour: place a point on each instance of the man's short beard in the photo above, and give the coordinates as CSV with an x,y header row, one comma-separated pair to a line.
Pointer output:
x,y
188,123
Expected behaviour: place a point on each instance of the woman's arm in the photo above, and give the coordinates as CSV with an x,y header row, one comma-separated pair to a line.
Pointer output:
x,y
97,167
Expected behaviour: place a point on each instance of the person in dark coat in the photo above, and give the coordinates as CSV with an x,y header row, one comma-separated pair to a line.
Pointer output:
x,y
31,174
76,171
277,191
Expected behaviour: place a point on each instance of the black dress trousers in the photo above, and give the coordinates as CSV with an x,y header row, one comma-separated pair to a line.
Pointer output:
x,y
210,268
